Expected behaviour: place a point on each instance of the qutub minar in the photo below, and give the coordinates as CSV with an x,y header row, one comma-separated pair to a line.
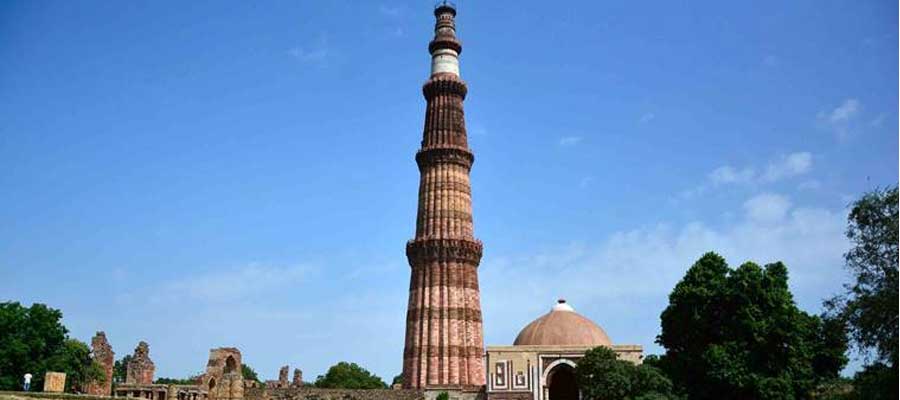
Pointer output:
x,y
444,341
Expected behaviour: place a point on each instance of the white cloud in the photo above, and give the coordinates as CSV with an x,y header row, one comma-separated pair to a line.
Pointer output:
x,y
841,119
784,167
793,164
570,140
845,111
647,118
728,174
622,282
811,184
230,284
767,208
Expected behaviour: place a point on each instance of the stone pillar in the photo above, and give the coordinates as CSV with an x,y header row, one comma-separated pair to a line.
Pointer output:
x,y
102,354
283,376
298,378
444,346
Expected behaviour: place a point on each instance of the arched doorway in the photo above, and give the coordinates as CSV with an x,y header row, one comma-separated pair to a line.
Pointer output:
x,y
230,365
561,383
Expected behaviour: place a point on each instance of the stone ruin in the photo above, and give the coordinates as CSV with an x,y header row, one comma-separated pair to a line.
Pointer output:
x,y
102,354
140,369
282,381
139,380
54,382
223,378
298,378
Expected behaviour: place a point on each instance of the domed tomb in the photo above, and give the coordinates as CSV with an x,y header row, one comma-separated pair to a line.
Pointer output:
x,y
562,326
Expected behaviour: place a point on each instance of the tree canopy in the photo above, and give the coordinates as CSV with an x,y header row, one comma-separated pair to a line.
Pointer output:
x,y
248,373
738,332
120,369
602,376
34,340
869,304
344,375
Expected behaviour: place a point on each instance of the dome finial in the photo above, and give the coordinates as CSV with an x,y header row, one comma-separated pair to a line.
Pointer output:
x,y
561,305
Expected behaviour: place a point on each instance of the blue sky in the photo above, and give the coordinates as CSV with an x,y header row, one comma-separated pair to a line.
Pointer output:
x,y
208,174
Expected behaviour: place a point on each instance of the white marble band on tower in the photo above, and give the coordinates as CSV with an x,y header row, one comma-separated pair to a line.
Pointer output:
x,y
445,61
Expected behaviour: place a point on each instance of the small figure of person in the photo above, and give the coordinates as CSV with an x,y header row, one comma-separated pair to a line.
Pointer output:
x,y
27,384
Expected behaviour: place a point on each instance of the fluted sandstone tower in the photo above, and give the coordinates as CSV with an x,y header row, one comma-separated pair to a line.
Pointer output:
x,y
444,340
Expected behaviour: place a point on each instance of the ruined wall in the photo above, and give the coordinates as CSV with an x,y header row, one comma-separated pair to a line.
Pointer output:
x,y
309,393
223,376
140,369
102,353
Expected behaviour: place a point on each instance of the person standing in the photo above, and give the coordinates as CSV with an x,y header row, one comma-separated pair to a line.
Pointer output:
x,y
27,384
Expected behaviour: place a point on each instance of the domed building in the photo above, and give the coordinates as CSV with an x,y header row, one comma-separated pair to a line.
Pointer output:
x,y
540,365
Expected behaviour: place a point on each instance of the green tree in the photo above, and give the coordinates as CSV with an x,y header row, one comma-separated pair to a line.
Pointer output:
x,y
74,358
602,376
248,373
869,304
120,369
738,333
398,380
344,375
29,337
876,381
176,381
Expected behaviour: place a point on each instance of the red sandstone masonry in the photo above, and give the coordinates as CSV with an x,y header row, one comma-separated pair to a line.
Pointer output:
x,y
444,347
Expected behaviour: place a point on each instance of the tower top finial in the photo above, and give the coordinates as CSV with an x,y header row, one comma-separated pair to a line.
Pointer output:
x,y
444,6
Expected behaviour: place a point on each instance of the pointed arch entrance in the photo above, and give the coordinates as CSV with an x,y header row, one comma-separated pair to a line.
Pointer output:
x,y
561,383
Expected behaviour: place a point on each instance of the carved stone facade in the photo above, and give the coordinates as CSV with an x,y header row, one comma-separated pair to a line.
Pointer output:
x,y
444,346
223,378
102,353
528,372
140,369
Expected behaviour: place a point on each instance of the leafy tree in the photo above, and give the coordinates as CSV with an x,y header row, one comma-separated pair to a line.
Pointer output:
x,y
176,381
28,338
74,358
738,333
346,375
443,396
876,381
602,376
120,369
870,303
248,373
398,380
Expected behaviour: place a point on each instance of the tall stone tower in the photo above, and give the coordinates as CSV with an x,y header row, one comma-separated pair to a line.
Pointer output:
x,y
444,340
